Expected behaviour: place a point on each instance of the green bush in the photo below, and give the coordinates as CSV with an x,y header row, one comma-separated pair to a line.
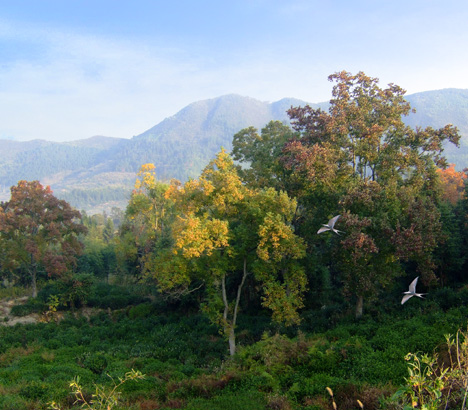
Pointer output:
x,y
314,385
33,305
51,288
105,296
246,400
12,402
94,361
141,311
33,390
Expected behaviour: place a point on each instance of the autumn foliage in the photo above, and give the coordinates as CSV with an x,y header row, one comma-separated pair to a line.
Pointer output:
x,y
39,233
453,183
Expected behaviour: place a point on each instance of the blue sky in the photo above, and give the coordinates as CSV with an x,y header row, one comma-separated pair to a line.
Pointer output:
x,y
71,69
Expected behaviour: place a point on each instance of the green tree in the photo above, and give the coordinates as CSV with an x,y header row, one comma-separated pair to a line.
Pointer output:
x,y
261,154
39,232
226,231
99,245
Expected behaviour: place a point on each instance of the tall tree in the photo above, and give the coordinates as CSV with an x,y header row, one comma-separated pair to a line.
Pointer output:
x,y
226,231
40,233
361,160
262,153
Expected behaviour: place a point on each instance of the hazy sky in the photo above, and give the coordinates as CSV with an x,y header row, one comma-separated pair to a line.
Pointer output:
x,y
71,69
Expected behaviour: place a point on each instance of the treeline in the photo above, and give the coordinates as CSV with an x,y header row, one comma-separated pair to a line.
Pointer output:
x,y
250,220
251,229
87,198
46,160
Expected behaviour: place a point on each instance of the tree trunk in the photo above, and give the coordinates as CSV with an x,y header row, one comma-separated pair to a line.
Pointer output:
x,y
232,341
359,306
34,282
230,325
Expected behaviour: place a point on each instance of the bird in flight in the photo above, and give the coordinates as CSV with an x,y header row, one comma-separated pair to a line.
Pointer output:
x,y
411,292
330,226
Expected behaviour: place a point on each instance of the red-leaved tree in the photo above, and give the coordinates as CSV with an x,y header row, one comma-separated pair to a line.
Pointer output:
x,y
38,233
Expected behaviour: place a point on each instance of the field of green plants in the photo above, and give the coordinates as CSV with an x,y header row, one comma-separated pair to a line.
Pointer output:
x,y
186,365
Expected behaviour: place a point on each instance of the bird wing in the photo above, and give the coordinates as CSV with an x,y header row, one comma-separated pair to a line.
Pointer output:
x,y
323,229
331,222
405,298
412,286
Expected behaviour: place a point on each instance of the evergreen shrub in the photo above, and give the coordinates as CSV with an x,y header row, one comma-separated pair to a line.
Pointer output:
x,y
141,311
33,305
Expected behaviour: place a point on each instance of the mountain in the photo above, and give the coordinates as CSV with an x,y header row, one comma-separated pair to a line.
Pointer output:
x,y
182,145
439,108
98,172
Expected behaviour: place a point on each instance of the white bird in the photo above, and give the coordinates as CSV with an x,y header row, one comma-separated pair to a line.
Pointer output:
x,y
330,226
412,292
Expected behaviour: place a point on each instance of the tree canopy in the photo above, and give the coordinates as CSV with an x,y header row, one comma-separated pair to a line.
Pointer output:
x,y
39,232
226,231
359,160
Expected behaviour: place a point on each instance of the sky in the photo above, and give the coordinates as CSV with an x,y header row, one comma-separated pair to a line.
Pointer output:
x,y
72,69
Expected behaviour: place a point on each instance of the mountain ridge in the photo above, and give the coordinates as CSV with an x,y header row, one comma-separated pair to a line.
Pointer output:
x,y
181,145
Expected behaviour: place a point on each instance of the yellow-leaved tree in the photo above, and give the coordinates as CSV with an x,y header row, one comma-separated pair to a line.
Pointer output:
x,y
226,231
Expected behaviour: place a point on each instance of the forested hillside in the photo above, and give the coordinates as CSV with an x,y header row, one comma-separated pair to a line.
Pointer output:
x,y
181,145
438,108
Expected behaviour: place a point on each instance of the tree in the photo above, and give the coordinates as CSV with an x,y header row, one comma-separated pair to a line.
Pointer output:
x,y
39,232
98,255
361,160
262,153
226,231
453,183
147,223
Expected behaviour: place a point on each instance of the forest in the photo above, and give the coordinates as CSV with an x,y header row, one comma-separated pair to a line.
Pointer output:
x,y
282,277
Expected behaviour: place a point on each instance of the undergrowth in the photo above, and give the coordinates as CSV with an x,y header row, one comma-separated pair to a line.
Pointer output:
x,y
186,365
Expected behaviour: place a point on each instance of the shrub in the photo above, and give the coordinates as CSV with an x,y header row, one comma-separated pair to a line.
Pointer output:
x,y
245,400
33,305
12,402
437,381
96,362
104,397
104,296
33,390
141,311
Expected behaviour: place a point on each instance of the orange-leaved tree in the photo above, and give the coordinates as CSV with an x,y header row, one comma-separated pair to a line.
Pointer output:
x,y
39,232
453,183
